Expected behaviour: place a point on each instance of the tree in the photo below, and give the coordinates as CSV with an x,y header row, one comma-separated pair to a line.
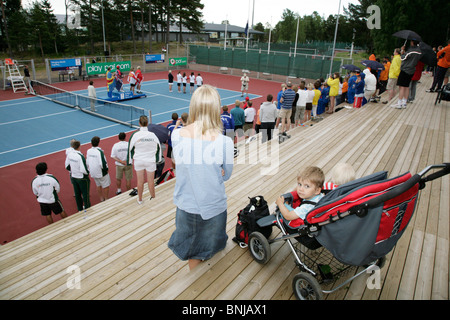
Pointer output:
x,y
45,27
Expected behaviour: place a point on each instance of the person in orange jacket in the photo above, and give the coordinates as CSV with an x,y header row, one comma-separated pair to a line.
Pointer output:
x,y
443,64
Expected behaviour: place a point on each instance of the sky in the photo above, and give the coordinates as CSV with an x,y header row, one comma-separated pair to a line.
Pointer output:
x,y
237,12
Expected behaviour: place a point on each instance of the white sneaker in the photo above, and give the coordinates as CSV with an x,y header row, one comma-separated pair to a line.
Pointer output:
x,y
140,202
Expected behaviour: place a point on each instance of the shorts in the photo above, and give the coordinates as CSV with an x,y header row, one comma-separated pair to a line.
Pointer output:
x,y
392,83
285,113
309,106
132,84
404,79
140,165
169,152
179,84
103,182
184,84
299,113
191,84
244,87
248,126
195,238
47,208
127,170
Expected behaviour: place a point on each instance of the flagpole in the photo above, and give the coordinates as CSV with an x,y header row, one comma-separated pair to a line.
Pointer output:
x,y
248,15
335,35
296,37
225,42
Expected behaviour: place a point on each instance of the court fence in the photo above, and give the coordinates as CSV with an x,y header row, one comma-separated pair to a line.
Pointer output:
x,y
296,65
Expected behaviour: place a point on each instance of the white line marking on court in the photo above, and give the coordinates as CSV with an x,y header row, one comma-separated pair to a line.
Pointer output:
x,y
48,115
66,137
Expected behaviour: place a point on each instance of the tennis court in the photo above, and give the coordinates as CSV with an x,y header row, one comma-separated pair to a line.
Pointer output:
x,y
32,127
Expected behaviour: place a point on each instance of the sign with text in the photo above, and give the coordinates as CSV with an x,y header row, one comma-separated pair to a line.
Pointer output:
x,y
178,61
101,68
154,58
64,64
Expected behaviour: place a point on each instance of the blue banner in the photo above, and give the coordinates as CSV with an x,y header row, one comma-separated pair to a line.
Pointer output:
x,y
64,64
154,58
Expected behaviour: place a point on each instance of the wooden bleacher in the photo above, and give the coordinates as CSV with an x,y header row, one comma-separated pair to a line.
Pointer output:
x,y
120,247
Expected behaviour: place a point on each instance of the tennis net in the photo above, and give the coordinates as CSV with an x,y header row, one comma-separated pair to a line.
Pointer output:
x,y
117,112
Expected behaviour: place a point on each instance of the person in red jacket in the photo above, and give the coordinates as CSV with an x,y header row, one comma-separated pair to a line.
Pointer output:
x,y
443,64
416,77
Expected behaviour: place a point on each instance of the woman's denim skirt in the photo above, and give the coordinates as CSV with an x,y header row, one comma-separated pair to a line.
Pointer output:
x,y
195,238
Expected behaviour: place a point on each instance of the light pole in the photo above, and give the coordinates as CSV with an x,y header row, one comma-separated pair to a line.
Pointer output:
x,y
103,26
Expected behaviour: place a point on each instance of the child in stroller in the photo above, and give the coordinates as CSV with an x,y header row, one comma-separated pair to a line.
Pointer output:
x,y
358,224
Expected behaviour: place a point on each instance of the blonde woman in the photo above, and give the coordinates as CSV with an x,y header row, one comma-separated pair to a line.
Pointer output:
x,y
204,160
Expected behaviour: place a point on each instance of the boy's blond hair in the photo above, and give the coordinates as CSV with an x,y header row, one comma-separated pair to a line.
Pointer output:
x,y
342,173
313,174
204,109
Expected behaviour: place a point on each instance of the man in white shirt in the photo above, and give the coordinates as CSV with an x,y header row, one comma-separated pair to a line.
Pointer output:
x,y
250,114
92,94
98,168
46,188
244,84
119,153
370,85
79,175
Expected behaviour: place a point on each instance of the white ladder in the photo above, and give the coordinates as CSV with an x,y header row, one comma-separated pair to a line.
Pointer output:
x,y
15,77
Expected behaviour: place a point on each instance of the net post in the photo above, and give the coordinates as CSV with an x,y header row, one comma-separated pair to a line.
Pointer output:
x,y
150,116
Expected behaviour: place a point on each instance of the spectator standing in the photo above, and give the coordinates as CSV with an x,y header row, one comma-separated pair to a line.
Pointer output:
x,y
79,173
287,98
384,75
416,77
394,71
250,114
409,60
119,153
46,188
145,151
238,117
199,193
228,122
301,105
333,83
279,104
268,114
98,168
443,64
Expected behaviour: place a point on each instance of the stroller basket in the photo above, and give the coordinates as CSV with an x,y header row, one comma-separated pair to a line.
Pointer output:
x,y
357,224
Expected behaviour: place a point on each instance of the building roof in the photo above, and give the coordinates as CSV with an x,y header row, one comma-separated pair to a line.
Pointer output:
x,y
218,27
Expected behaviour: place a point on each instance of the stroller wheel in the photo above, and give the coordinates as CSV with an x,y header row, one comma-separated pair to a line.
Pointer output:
x,y
259,247
306,287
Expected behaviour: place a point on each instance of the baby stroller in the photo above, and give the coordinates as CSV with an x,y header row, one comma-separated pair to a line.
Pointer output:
x,y
357,224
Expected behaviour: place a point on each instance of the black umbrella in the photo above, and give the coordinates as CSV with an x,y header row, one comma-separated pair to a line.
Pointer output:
x,y
374,65
160,131
428,54
407,35
351,68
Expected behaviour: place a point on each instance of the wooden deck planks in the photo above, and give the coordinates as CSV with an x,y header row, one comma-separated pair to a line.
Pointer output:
x,y
121,248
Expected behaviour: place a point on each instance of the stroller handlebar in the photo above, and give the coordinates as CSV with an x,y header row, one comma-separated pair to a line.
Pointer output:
x,y
362,209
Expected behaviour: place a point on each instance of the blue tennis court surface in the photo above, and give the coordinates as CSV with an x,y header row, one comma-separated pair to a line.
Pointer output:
x,y
33,127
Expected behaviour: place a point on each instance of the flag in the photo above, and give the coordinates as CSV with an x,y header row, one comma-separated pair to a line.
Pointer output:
x,y
246,29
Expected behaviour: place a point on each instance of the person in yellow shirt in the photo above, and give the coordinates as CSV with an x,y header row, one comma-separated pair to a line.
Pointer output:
x,y
394,71
333,82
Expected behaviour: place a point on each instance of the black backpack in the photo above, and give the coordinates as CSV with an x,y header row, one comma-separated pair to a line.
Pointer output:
x,y
247,217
